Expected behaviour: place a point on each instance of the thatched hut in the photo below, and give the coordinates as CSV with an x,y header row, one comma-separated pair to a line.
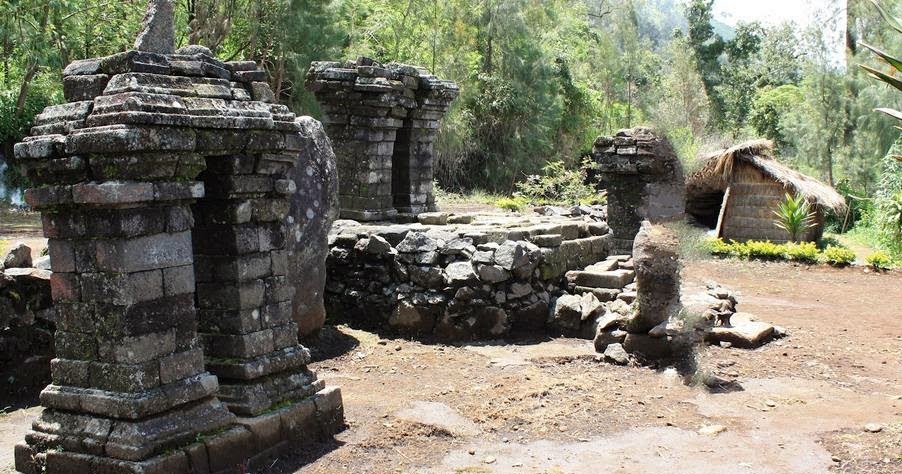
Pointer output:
x,y
737,190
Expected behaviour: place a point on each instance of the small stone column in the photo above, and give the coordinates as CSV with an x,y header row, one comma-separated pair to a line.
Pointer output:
x,y
364,105
412,164
644,180
129,380
382,121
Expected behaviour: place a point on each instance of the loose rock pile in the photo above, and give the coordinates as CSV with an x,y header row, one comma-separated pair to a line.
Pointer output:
x,y
734,329
26,326
383,121
491,277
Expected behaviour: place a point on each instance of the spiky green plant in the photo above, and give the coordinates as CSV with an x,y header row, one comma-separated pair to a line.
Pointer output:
x,y
895,64
794,216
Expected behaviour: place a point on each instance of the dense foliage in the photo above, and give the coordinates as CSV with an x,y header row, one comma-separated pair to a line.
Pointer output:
x,y
539,79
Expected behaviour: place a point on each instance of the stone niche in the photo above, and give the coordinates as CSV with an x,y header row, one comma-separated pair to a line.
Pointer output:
x,y
644,180
162,187
383,121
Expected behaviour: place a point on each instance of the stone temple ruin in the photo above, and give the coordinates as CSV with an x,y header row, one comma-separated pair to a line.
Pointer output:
x,y
383,120
163,189
189,220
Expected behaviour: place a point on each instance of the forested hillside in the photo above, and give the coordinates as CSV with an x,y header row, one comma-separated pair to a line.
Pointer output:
x,y
539,79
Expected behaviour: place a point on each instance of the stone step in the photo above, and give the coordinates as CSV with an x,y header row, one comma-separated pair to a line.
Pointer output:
x,y
614,279
603,266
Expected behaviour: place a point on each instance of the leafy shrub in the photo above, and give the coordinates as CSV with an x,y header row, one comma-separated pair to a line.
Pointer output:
x,y
879,261
764,250
806,252
803,252
561,185
717,246
838,256
515,203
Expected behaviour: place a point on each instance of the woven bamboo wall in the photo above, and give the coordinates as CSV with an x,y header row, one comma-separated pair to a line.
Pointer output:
x,y
750,211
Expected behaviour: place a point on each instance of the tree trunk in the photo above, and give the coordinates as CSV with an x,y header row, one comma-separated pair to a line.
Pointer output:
x,y
26,85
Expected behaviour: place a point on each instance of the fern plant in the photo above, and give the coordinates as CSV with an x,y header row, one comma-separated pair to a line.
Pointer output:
x,y
794,215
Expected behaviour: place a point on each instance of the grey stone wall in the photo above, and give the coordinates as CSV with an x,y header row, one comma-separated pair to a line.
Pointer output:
x,y
457,282
644,180
383,121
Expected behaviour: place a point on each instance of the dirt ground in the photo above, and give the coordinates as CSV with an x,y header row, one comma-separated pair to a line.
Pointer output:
x,y
25,227
551,406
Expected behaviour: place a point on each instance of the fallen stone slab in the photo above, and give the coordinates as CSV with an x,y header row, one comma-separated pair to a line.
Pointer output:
x,y
748,335
613,279
604,266
433,218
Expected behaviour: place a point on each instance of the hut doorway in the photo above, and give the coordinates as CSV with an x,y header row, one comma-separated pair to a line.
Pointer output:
x,y
705,208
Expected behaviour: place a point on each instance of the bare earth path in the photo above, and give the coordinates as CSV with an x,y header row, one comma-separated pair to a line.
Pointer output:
x,y
550,407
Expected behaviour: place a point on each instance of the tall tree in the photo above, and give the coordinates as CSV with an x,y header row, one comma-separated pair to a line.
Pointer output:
x,y
708,46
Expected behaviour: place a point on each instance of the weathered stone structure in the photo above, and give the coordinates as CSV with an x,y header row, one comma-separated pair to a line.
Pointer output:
x,y
652,327
460,277
312,210
383,121
644,180
163,191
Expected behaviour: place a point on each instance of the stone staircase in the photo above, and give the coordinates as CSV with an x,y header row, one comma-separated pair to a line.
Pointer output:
x,y
609,280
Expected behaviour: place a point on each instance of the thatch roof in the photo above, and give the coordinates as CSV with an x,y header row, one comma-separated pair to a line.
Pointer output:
x,y
717,168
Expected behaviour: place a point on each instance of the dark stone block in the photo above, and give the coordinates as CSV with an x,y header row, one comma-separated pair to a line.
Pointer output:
x,y
84,87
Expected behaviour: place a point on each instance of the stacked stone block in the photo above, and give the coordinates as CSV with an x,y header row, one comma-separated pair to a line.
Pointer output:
x,y
382,121
162,191
644,180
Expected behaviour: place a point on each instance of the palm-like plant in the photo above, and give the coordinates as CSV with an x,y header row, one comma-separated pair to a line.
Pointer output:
x,y
890,77
794,216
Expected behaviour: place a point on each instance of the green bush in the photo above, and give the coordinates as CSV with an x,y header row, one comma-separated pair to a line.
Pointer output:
x,y
764,250
560,185
838,256
717,246
515,203
879,261
806,252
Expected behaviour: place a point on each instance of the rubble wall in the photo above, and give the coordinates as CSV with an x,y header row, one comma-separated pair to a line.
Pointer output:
x,y
457,282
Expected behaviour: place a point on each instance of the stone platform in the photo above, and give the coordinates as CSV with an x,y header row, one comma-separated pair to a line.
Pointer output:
x,y
459,277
